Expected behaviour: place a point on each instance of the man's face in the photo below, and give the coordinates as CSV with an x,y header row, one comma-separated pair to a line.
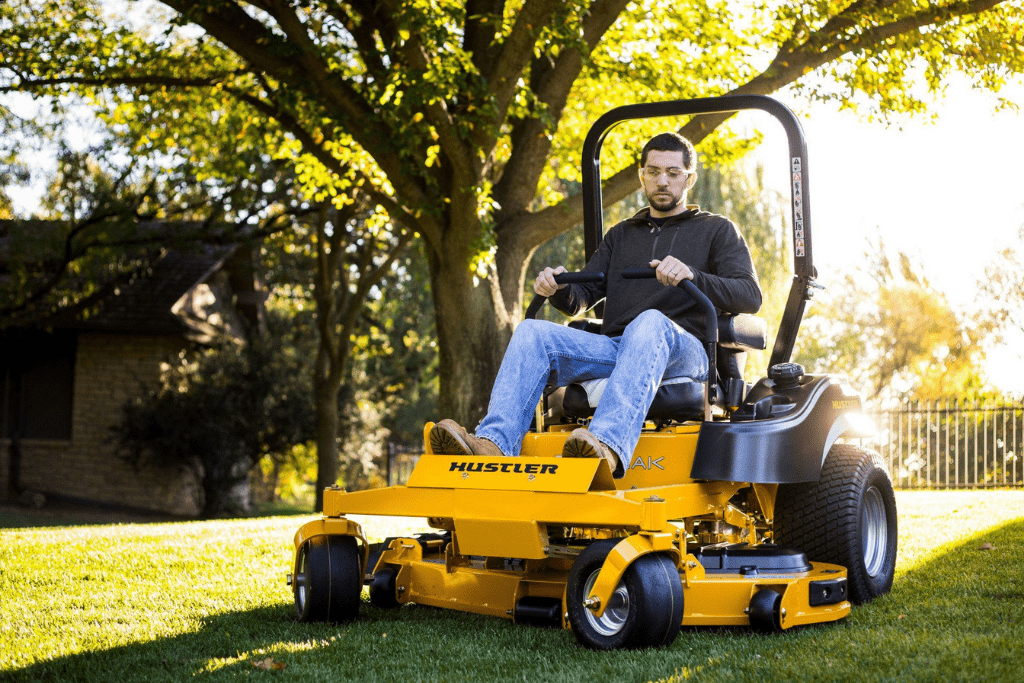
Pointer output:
x,y
665,182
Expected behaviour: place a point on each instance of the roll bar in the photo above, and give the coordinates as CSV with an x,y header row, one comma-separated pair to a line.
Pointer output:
x,y
803,266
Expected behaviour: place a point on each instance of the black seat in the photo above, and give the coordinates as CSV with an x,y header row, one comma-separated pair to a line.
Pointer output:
x,y
680,399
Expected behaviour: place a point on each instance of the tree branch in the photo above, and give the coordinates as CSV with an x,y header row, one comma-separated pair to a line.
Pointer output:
x,y
28,83
361,30
516,53
531,139
455,150
269,53
481,26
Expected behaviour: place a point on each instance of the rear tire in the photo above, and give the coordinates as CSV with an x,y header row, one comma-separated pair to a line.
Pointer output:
x,y
848,517
328,579
646,609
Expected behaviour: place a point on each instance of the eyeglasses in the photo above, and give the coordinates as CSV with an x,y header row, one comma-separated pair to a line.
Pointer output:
x,y
673,172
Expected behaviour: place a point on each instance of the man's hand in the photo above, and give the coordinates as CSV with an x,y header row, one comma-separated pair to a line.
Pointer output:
x,y
671,271
545,284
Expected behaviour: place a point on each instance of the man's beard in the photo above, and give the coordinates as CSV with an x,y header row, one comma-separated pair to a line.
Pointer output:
x,y
663,203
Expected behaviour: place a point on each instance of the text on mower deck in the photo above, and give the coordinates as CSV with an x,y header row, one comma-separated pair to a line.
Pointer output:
x,y
517,467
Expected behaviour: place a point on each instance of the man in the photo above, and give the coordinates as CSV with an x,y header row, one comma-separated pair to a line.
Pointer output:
x,y
651,329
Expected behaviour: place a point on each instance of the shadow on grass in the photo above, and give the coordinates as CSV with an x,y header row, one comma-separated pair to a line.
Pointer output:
x,y
955,617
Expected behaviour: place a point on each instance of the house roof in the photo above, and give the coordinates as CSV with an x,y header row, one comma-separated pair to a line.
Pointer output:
x,y
146,304
163,299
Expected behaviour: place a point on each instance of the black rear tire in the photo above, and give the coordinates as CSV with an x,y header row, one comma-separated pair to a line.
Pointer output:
x,y
646,609
328,579
848,517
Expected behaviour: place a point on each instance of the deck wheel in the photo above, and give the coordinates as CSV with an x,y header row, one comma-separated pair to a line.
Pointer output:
x,y
646,609
383,591
328,579
766,611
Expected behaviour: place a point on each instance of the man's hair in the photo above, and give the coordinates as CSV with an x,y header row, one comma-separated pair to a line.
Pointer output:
x,y
671,142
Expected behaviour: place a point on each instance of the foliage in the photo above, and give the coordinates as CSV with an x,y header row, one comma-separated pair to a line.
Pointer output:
x,y
1001,292
463,120
105,220
402,369
93,242
167,602
218,413
887,327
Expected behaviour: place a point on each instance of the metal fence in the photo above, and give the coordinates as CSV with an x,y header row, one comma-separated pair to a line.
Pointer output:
x,y
401,461
952,444
939,445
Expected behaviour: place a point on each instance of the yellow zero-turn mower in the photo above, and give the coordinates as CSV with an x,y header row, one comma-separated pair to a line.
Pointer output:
x,y
740,506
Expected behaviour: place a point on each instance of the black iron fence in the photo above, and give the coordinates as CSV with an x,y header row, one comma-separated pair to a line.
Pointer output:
x,y
939,445
952,444
401,461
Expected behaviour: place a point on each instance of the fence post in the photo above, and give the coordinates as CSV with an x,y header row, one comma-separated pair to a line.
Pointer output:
x,y
928,446
956,441
945,428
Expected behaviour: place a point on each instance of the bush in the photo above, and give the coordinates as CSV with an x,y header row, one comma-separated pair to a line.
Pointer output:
x,y
219,412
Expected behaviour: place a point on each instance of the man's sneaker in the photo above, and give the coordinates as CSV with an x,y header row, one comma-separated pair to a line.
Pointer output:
x,y
447,437
582,444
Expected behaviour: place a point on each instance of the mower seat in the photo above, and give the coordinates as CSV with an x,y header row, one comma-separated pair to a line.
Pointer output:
x,y
682,398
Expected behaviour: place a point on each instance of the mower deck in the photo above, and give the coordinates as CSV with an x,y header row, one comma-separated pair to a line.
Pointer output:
x,y
516,525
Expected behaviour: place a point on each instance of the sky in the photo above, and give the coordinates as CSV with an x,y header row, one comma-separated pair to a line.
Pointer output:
x,y
949,193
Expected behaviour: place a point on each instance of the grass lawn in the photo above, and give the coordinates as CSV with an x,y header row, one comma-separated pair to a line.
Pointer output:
x,y
205,600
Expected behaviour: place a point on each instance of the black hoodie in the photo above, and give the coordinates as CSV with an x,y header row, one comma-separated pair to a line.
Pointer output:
x,y
708,243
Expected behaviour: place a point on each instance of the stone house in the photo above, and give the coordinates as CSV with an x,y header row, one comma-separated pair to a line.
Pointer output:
x,y
63,389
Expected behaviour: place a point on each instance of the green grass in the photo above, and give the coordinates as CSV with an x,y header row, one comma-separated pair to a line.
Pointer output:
x,y
204,600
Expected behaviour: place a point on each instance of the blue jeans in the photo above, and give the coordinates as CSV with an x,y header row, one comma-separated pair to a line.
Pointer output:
x,y
652,347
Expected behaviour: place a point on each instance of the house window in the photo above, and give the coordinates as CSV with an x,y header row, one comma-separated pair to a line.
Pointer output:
x,y
38,375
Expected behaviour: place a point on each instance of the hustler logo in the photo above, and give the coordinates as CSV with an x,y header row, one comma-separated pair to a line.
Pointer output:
x,y
508,467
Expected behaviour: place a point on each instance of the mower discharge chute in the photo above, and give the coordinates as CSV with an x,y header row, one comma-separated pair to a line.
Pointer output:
x,y
740,506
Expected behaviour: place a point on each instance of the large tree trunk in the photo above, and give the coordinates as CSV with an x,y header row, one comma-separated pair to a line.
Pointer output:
x,y
472,333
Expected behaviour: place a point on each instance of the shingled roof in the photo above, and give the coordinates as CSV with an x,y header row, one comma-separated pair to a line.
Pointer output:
x,y
166,298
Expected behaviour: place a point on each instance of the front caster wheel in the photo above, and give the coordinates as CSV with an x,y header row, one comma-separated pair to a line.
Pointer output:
x,y
383,590
766,611
646,609
328,579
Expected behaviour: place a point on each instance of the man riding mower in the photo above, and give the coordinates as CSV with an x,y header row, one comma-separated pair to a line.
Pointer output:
x,y
735,504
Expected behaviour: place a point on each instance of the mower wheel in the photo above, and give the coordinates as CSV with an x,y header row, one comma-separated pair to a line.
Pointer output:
x,y
848,517
383,592
328,579
646,609
765,611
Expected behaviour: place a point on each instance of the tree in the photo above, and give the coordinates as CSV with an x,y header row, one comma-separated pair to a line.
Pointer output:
x,y
354,249
1001,292
463,119
893,333
102,233
370,342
